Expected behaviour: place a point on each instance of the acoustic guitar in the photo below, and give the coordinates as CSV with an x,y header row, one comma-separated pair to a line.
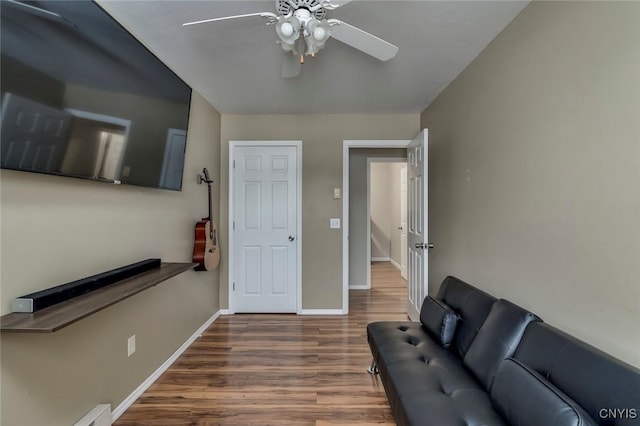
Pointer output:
x,y
206,252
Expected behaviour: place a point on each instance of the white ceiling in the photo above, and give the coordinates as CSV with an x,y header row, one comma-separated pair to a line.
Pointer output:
x,y
236,64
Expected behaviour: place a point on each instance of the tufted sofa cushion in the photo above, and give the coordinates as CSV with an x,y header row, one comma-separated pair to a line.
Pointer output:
x,y
605,387
525,398
497,340
464,408
420,376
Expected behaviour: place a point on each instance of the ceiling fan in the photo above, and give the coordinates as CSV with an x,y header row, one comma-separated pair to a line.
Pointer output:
x,y
302,30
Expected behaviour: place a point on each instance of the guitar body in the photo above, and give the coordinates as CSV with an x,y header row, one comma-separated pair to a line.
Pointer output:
x,y
206,251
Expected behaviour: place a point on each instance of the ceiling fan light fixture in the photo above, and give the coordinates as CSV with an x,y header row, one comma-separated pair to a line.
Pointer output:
x,y
319,33
316,34
288,30
319,30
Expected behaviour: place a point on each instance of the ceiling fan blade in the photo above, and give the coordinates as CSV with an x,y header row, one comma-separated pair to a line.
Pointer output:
x,y
362,40
272,17
329,4
339,3
291,65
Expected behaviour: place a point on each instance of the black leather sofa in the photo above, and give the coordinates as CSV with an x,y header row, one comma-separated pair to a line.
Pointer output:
x,y
474,359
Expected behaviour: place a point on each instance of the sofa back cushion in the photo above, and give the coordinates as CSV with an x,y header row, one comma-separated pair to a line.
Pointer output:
x,y
607,388
497,340
472,306
525,398
439,320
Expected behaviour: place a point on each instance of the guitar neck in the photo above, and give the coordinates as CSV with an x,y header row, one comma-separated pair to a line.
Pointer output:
x,y
210,215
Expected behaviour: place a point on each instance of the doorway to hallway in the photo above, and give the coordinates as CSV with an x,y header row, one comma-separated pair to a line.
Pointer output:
x,y
387,214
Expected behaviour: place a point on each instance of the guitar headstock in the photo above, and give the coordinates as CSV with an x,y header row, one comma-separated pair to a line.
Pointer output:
x,y
204,177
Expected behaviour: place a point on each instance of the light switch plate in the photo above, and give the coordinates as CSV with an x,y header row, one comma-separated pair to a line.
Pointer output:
x,y
334,223
131,345
336,193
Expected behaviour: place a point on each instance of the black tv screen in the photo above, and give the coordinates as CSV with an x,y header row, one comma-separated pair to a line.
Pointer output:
x,y
81,97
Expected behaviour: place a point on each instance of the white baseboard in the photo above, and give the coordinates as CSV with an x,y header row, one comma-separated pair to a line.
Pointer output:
x,y
128,401
396,264
225,312
321,312
100,415
380,259
359,287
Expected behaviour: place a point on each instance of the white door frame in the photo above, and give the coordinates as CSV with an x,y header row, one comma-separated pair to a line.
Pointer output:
x,y
232,149
404,219
346,146
369,161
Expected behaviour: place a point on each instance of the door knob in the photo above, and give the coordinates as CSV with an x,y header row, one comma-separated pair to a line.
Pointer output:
x,y
291,238
424,246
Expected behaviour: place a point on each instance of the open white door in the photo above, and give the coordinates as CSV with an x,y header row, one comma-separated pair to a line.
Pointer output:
x,y
417,227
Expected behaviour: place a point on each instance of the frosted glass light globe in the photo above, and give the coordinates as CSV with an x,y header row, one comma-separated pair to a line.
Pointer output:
x,y
319,33
286,29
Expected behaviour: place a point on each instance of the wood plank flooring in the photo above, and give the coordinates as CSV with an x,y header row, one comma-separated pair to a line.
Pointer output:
x,y
384,274
280,369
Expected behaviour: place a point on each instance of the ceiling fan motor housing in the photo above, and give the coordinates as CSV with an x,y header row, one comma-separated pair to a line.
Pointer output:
x,y
285,7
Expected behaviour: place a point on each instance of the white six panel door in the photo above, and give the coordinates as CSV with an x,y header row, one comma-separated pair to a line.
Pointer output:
x,y
265,250
417,232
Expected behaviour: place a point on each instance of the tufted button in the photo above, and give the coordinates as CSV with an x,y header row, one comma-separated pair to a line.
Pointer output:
x,y
403,328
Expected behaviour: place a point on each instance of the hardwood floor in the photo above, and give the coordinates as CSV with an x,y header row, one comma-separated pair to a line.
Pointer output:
x,y
384,274
279,369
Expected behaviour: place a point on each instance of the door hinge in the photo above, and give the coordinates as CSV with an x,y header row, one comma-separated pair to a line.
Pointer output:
x,y
234,225
234,164
234,286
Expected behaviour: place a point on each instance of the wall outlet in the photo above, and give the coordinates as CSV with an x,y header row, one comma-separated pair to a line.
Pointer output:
x,y
131,345
334,223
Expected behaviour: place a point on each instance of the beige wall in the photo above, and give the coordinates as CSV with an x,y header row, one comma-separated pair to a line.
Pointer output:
x,y
56,230
322,140
534,171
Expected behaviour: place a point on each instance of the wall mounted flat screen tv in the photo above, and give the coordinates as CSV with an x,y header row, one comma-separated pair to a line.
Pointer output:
x,y
81,97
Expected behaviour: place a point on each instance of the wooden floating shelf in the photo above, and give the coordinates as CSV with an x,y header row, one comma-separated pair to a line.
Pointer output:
x,y
58,316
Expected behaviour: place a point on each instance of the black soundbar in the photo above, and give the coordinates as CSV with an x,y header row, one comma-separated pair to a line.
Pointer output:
x,y
41,299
